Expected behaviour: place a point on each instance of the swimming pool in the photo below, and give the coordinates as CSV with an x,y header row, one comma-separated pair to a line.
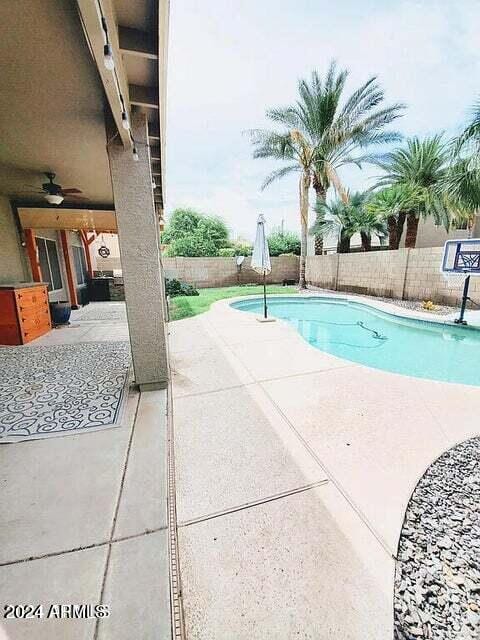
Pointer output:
x,y
363,334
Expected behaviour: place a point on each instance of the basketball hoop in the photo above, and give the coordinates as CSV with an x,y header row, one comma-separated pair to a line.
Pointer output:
x,y
461,260
455,280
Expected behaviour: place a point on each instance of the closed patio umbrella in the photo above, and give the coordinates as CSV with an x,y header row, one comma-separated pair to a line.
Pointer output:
x,y
261,258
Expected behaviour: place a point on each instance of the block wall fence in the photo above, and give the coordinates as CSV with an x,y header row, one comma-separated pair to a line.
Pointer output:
x,y
407,274
222,272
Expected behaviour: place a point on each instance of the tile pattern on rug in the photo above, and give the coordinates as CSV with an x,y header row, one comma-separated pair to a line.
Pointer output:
x,y
54,390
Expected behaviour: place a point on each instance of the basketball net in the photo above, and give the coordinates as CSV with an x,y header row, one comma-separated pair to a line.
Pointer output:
x,y
455,280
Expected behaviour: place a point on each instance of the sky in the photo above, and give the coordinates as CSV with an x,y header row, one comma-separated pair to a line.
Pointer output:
x,y
230,60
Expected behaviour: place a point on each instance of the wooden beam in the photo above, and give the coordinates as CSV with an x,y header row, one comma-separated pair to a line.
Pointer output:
x,y
95,37
134,42
146,97
86,248
92,238
72,288
155,154
32,252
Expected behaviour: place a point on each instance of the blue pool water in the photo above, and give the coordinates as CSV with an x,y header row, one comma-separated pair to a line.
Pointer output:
x,y
360,333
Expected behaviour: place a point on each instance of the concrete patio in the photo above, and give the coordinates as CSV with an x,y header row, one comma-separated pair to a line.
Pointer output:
x,y
84,516
294,470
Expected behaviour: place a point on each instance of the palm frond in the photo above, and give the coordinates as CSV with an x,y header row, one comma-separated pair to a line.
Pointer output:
x,y
279,173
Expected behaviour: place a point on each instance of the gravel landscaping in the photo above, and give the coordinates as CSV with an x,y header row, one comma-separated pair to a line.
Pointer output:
x,y
415,305
437,582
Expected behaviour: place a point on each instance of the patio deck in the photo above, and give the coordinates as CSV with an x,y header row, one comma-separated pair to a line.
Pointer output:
x,y
294,470
84,516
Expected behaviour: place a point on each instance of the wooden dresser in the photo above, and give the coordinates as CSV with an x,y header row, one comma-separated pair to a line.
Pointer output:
x,y
24,312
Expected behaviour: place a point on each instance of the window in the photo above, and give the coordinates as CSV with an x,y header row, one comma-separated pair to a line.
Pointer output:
x,y
80,265
49,263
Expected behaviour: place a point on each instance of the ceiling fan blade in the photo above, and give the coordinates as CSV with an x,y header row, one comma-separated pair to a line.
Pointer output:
x,y
73,196
69,191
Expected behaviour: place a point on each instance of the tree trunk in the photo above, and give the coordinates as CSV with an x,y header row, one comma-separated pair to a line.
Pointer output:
x,y
366,241
412,228
343,245
392,232
304,186
395,229
321,196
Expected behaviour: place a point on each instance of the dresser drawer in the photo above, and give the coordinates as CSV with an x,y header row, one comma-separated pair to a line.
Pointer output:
x,y
35,318
30,311
31,297
35,332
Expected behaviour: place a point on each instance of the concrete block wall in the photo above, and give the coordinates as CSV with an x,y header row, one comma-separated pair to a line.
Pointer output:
x,y
424,279
410,274
223,272
378,273
322,271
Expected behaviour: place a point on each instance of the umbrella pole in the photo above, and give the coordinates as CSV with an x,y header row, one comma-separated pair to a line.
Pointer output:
x,y
264,296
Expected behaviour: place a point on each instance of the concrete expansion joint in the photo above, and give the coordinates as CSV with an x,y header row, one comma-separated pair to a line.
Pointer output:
x,y
254,503
115,515
94,545
331,477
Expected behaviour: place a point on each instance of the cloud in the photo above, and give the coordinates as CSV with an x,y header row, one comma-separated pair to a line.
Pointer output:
x,y
229,61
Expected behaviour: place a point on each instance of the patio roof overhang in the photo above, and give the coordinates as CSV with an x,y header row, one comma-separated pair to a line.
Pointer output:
x,y
100,220
59,105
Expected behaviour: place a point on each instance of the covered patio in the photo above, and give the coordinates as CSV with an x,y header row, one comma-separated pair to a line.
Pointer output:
x,y
83,409
84,515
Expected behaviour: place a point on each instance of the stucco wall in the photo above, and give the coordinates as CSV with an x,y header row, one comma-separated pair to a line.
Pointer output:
x,y
431,235
13,267
222,272
412,274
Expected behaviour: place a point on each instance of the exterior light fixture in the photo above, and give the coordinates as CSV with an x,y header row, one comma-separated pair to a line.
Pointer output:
x,y
125,121
154,184
135,154
108,57
52,198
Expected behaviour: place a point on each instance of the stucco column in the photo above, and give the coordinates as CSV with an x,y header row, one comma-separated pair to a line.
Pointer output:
x,y
139,242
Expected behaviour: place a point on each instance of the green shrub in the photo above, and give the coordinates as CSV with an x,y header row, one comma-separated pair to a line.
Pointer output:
x,y
227,252
283,242
192,234
174,287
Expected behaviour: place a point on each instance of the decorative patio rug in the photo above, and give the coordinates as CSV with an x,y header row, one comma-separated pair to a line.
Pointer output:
x,y
56,390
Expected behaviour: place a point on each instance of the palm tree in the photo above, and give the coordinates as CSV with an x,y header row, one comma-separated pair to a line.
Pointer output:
x,y
317,136
392,204
297,149
462,182
343,219
422,166
341,127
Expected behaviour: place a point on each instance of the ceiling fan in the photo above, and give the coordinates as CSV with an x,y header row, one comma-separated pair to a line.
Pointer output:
x,y
55,193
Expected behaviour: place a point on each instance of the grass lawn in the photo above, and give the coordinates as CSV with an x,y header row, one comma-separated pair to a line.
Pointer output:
x,y
188,306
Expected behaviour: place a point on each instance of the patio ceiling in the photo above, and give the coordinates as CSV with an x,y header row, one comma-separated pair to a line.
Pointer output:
x,y
51,103
48,218
54,101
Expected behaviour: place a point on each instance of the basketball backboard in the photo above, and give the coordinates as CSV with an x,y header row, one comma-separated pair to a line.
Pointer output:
x,y
461,256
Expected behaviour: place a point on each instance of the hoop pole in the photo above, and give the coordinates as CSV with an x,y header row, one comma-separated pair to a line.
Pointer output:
x,y
461,319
